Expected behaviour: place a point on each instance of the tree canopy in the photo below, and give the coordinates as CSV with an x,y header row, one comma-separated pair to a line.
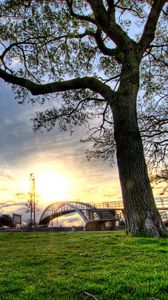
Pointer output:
x,y
104,61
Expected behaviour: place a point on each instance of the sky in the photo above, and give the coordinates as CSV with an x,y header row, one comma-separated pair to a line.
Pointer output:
x,y
57,160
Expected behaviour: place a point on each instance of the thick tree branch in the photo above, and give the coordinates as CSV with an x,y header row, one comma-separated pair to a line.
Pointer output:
x,y
110,4
105,50
111,10
91,83
150,26
108,24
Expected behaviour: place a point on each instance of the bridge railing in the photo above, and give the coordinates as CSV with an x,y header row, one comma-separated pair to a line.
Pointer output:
x,y
161,203
112,204
108,205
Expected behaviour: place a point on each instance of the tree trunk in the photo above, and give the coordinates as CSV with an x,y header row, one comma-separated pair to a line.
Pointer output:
x,y
141,215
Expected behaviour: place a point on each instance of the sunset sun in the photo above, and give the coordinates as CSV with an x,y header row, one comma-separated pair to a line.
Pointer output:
x,y
53,187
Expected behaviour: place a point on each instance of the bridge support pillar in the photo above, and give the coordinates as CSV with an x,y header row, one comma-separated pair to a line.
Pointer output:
x,y
90,214
100,225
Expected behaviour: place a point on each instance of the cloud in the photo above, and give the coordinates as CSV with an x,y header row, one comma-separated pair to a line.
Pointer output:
x,y
11,204
4,174
6,203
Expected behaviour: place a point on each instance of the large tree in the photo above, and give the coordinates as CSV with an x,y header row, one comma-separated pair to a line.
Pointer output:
x,y
94,55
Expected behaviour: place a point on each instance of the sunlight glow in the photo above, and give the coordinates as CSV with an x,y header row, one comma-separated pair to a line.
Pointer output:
x,y
53,187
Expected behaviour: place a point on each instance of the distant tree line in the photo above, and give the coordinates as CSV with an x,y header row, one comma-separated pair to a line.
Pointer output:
x,y
6,220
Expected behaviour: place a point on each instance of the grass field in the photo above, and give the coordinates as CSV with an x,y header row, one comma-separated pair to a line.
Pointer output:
x,y
64,266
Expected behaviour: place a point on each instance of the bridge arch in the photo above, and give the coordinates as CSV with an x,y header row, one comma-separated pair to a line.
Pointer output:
x,y
57,209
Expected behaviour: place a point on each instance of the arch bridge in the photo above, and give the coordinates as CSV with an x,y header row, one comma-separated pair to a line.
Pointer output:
x,y
88,212
94,211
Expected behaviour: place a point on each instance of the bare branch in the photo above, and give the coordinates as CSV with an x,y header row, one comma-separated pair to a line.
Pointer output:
x,y
159,60
70,114
77,16
131,8
42,41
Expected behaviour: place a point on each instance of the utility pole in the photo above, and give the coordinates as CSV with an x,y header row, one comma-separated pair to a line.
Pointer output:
x,y
32,200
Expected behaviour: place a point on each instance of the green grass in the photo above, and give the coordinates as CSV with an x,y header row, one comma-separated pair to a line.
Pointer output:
x,y
64,265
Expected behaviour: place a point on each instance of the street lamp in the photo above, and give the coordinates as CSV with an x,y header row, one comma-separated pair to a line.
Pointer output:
x,y
33,200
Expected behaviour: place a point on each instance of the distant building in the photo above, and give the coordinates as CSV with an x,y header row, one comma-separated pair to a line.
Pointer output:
x,y
17,219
